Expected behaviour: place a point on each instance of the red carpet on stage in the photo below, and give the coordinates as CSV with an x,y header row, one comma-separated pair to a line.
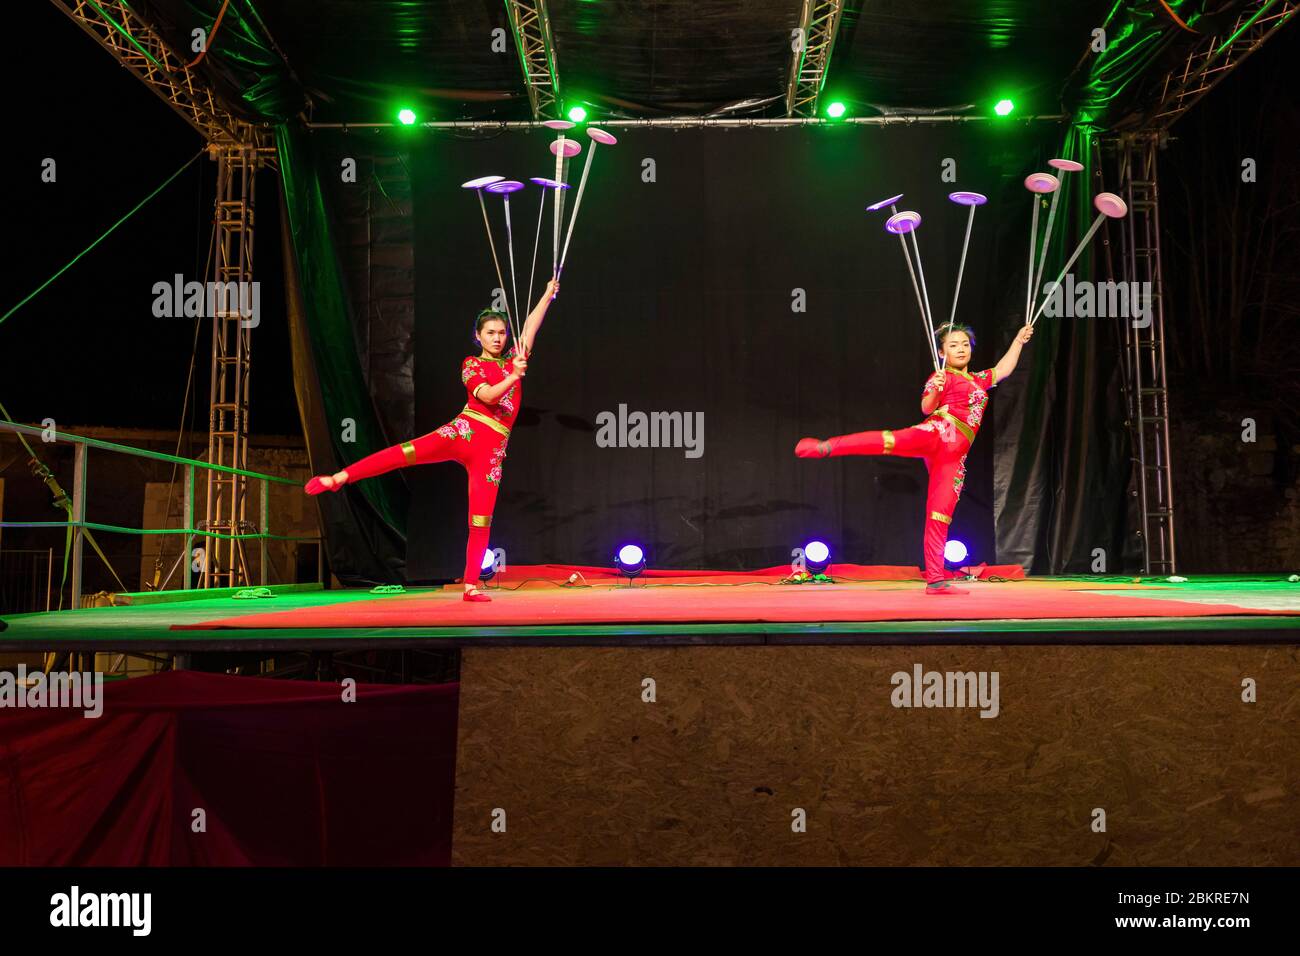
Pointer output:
x,y
286,772
750,599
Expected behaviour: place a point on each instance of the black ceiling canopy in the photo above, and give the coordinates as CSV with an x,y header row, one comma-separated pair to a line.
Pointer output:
x,y
358,61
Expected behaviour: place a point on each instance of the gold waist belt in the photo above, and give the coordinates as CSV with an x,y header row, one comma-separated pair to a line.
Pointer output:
x,y
490,422
960,425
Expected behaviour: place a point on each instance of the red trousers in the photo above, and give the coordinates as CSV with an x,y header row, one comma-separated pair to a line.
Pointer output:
x,y
478,447
943,449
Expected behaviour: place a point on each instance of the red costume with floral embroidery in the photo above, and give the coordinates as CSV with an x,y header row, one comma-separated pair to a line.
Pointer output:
x,y
476,438
941,441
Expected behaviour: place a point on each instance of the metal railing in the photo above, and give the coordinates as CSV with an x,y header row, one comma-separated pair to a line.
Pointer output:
x,y
79,525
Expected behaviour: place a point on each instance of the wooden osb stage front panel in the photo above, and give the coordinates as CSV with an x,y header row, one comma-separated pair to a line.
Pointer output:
x,y
586,773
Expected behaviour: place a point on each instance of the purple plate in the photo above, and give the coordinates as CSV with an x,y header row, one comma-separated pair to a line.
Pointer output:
x,y
549,183
1108,204
884,202
902,222
481,182
963,198
557,124
1066,165
505,186
600,136
1042,183
571,147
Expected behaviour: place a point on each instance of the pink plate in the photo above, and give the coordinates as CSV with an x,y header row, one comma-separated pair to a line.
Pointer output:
x,y
1108,204
505,186
600,136
902,222
481,182
1042,183
549,183
963,198
884,202
557,124
1066,165
571,147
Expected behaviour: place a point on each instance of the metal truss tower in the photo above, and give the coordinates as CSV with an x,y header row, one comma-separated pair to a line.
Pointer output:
x,y
1208,62
239,150
819,22
531,25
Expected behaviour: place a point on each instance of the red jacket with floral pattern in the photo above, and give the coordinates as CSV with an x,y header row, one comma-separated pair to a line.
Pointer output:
x,y
475,371
965,396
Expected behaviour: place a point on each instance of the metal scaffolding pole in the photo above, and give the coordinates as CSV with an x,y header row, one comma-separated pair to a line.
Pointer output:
x,y
231,296
1147,392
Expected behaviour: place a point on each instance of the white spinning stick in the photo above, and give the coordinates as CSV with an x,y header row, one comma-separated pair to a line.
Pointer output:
x,y
1036,183
558,149
504,188
972,200
577,204
1109,206
478,186
537,239
598,136
559,205
1063,165
510,248
902,224
929,316
929,334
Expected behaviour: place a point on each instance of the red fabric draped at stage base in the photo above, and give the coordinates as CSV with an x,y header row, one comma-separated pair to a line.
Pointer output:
x,y
286,772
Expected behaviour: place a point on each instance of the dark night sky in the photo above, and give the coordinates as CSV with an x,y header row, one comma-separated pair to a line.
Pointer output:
x,y
88,349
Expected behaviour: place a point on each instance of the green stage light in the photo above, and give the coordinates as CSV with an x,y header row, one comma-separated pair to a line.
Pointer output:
x,y
1004,107
406,116
835,110
577,114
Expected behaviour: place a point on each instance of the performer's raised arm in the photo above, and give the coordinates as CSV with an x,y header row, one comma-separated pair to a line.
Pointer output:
x,y
535,317
1007,364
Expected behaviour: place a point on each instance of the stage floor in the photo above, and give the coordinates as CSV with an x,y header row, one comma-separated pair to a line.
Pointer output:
x,y
693,608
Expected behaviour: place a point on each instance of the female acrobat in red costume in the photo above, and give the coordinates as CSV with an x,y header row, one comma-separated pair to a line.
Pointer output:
x,y
476,437
953,401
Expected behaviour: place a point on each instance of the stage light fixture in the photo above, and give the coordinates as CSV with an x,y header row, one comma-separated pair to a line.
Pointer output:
x,y
577,114
488,569
630,560
836,110
816,557
955,552
1004,107
406,116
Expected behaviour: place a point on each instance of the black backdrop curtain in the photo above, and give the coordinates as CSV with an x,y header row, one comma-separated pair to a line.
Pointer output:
x,y
691,256
364,526
679,296
1061,452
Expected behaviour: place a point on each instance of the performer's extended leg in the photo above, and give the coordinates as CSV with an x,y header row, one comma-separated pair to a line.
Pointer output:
x,y
945,463
905,442
425,450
